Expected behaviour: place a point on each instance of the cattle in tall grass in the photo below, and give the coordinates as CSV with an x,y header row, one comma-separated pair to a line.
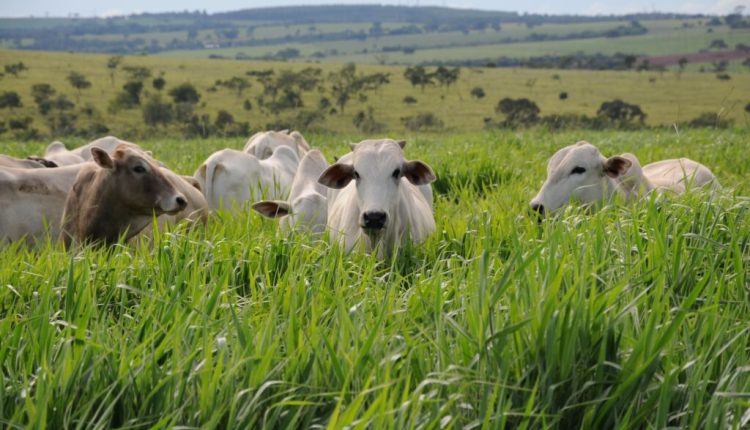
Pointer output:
x,y
375,202
580,172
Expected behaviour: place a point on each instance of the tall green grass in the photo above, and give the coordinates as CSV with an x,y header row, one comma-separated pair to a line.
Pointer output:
x,y
629,316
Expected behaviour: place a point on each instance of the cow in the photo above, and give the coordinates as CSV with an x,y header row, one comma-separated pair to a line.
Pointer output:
x,y
29,163
117,196
108,144
229,178
195,211
264,143
582,173
375,202
32,201
307,207
58,154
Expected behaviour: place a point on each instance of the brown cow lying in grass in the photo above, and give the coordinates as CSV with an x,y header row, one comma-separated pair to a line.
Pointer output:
x,y
117,197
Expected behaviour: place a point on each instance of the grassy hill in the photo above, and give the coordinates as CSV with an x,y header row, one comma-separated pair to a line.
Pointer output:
x,y
666,97
377,34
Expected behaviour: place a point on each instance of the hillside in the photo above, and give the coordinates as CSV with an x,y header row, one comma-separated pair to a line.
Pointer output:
x,y
387,35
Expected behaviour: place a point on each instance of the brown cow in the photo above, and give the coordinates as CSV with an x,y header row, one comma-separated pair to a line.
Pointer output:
x,y
117,196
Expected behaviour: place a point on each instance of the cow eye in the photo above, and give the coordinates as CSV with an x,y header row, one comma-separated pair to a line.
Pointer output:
x,y
578,170
396,174
139,169
356,175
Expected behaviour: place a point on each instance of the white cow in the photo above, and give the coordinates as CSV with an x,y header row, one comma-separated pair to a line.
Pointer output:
x,y
264,143
307,207
59,154
17,163
230,178
108,144
582,173
378,205
31,199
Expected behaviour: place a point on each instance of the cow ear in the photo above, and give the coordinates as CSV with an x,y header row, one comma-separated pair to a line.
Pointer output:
x,y
616,166
418,173
102,158
192,181
272,208
337,176
401,143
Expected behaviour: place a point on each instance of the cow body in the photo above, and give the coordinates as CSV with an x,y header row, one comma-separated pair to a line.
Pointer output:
x,y
58,154
263,144
375,202
32,199
307,207
17,163
230,178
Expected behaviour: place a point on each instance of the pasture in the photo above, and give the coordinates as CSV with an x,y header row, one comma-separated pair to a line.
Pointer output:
x,y
666,97
629,316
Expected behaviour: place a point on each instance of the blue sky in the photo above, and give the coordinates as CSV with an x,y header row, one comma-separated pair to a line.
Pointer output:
x,y
18,8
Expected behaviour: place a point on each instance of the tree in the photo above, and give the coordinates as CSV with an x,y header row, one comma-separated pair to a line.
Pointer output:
x,y
747,108
137,73
563,95
629,61
347,84
185,93
477,93
682,62
10,99
518,112
447,77
79,82
718,44
237,84
15,69
42,93
417,75
112,64
156,112
158,83
620,112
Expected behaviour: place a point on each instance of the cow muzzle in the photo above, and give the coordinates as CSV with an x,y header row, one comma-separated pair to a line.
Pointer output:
x,y
173,204
373,220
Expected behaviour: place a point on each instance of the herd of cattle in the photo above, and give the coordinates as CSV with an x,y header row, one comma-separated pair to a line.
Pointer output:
x,y
371,198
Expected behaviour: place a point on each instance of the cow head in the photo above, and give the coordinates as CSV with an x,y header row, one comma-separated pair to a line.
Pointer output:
x,y
138,182
377,168
578,172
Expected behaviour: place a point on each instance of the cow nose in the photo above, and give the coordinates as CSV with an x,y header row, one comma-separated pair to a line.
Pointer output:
x,y
181,202
373,220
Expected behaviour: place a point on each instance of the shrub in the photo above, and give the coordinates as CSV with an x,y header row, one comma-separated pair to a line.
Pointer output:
x,y
366,123
620,113
710,120
563,95
477,92
10,99
421,121
518,112
185,93
158,83
247,105
156,112
723,76
409,100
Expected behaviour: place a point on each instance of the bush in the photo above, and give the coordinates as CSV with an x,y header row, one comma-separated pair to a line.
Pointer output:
x,y
156,112
421,121
10,99
620,113
723,76
563,95
409,100
366,123
518,112
477,92
158,83
185,93
247,105
710,120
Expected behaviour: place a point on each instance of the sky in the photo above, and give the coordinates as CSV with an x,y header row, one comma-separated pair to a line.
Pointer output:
x,y
88,8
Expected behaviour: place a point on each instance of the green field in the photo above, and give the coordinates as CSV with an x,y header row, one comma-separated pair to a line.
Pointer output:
x,y
630,316
666,97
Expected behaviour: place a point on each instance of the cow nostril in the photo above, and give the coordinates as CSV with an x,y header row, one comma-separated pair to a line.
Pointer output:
x,y
374,220
181,202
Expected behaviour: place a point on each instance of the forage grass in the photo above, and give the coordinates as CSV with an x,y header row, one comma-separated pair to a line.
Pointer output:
x,y
627,316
